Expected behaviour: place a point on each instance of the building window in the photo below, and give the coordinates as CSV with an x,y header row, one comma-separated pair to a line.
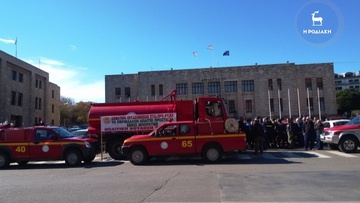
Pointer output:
x,y
40,84
232,106
14,75
278,82
181,89
36,83
248,106
13,98
272,105
21,77
20,98
214,87
198,88
127,92
247,85
52,108
36,102
308,83
270,84
230,86
161,90
52,94
322,104
311,103
117,92
152,90
39,103
319,83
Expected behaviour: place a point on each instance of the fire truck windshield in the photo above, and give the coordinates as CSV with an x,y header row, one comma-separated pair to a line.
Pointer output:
x,y
62,132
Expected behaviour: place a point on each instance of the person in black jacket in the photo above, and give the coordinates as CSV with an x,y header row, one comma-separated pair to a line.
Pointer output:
x,y
309,132
319,129
258,133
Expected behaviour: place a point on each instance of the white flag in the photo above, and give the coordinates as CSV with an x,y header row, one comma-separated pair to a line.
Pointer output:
x,y
210,47
195,53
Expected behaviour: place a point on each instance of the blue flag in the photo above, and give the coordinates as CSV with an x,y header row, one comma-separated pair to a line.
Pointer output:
x,y
226,53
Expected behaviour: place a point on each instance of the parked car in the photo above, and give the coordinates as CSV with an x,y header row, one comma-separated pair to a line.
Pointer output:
x,y
82,133
332,123
344,137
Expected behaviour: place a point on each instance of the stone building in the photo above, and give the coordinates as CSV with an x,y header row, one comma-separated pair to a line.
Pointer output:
x,y
26,95
347,80
274,90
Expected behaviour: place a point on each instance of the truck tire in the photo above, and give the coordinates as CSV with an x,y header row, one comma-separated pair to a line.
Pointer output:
x,y
212,153
348,144
73,157
4,160
138,156
114,149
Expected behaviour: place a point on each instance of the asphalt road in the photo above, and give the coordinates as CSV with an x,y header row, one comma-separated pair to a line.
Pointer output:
x,y
275,176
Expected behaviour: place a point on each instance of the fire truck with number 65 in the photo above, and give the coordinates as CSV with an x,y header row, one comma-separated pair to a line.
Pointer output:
x,y
114,122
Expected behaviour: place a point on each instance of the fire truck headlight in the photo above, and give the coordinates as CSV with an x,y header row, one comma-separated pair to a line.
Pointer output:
x,y
87,144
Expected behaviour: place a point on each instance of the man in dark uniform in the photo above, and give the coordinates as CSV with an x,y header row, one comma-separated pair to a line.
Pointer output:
x,y
308,131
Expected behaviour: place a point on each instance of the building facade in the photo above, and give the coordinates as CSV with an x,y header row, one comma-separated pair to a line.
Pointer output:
x,y
275,90
347,80
26,95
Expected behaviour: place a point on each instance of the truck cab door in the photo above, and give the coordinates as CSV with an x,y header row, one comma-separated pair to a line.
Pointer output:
x,y
181,140
211,116
45,145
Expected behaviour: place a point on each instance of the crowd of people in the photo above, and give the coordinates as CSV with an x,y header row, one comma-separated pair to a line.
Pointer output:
x,y
264,133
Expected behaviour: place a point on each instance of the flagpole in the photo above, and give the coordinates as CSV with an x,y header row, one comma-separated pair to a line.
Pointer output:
x,y
279,103
16,47
308,98
318,94
298,97
289,103
269,103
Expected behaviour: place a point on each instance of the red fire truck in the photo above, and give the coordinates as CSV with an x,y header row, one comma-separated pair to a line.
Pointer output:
x,y
43,143
182,138
114,122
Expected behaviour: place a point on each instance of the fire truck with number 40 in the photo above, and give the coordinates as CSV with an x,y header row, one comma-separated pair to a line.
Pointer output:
x,y
206,119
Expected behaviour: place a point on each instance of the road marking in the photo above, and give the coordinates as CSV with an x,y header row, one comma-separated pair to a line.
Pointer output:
x,y
342,154
268,156
318,154
291,155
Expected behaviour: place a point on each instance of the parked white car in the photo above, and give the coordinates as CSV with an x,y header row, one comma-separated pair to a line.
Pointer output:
x,y
82,133
332,123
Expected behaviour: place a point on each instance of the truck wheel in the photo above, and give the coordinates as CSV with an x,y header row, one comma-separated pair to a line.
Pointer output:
x,y
334,146
138,156
348,144
114,149
4,160
22,163
73,158
212,153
